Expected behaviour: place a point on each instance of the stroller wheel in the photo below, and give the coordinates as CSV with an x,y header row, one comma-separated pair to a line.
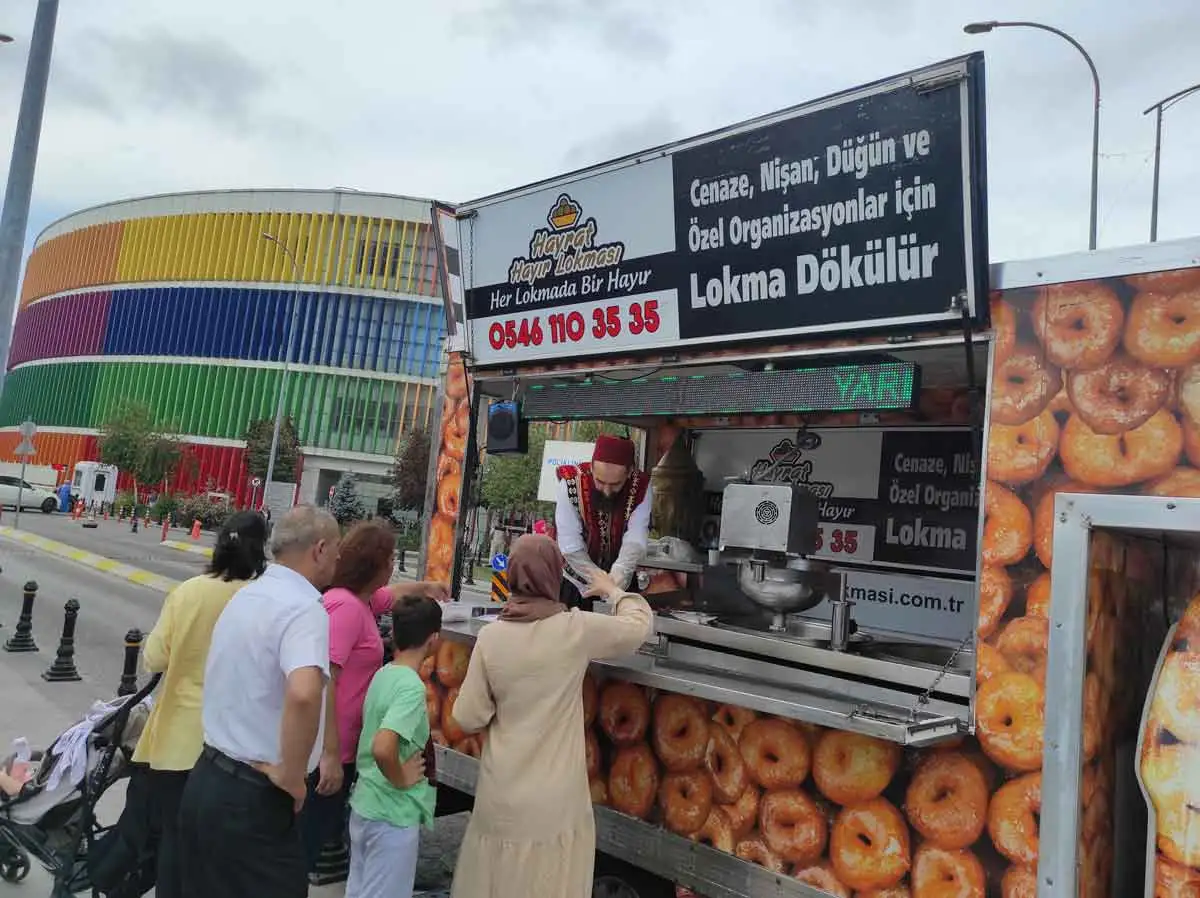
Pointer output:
x,y
14,865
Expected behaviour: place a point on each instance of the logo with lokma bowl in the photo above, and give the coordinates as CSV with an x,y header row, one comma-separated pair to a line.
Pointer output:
x,y
568,245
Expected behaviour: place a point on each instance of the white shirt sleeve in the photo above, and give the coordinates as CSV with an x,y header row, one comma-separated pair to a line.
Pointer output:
x,y
567,524
634,542
569,529
305,641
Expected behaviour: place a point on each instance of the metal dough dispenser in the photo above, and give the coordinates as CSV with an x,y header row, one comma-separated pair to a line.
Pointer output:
x,y
769,531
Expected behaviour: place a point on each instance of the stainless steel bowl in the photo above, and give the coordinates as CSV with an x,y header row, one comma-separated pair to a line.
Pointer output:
x,y
782,590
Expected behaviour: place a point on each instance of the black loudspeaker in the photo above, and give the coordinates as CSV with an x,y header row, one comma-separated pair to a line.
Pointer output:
x,y
507,431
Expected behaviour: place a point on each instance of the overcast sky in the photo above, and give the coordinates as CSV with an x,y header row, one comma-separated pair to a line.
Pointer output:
x,y
461,98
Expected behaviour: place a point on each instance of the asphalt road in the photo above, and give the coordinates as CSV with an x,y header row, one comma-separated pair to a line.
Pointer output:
x,y
109,606
113,539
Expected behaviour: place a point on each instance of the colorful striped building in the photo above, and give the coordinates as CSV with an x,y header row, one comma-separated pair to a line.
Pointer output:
x,y
182,302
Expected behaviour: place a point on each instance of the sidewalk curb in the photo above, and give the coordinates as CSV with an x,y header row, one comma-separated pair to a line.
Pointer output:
x,y
194,548
91,559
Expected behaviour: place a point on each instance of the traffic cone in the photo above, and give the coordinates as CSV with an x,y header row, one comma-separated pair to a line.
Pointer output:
x,y
196,529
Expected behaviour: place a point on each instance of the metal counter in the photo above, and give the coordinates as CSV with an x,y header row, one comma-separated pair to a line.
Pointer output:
x,y
785,689
652,848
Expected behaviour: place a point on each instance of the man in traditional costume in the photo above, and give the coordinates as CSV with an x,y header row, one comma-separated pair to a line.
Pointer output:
x,y
602,517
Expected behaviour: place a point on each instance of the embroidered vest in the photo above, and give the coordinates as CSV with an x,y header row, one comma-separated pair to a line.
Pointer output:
x,y
603,530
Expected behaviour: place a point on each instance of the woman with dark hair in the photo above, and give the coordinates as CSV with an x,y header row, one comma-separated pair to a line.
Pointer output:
x,y
532,831
358,595
177,647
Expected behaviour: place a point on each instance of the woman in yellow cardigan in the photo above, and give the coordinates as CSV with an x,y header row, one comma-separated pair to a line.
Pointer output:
x,y
177,647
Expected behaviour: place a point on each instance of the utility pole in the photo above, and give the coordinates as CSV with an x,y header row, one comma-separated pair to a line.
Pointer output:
x,y
14,218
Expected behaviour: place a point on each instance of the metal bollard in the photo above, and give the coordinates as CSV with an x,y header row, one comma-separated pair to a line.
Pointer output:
x,y
133,646
400,560
333,863
63,669
22,638
134,527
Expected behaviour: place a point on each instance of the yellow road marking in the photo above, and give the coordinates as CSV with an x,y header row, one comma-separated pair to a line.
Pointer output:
x,y
92,560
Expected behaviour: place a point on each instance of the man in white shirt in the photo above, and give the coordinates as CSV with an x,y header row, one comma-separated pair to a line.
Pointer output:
x,y
263,712
602,516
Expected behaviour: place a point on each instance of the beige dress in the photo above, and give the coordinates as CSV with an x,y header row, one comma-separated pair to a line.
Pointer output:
x,y
532,832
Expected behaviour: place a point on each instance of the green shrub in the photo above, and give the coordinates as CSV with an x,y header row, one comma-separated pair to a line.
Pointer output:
x,y
211,515
163,507
126,504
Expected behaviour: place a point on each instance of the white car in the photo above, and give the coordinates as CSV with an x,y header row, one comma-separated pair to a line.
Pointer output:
x,y
31,496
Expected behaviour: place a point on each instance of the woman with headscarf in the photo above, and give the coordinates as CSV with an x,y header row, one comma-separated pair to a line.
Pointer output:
x,y
532,831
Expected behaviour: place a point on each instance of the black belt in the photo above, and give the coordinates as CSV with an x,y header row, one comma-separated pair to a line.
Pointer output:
x,y
237,769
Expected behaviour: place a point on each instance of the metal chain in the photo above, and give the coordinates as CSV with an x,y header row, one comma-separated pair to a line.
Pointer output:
x,y
923,698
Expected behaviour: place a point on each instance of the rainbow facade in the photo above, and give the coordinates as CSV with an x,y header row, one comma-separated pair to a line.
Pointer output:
x,y
180,301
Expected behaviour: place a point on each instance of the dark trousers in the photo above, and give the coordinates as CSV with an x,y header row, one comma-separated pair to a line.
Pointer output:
x,y
165,788
323,817
239,836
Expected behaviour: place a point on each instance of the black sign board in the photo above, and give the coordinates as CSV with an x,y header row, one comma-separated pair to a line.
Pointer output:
x,y
862,210
871,386
901,497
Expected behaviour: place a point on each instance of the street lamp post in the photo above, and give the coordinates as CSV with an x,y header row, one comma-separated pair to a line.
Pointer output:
x,y
1158,109
293,327
985,27
14,217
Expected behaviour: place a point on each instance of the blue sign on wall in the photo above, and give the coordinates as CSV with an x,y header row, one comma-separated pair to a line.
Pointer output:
x,y
500,563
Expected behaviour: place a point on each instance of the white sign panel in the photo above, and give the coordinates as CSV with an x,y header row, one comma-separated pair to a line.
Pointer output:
x,y
845,464
556,454
940,609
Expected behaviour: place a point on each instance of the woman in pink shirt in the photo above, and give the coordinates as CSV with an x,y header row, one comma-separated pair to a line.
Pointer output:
x,y
359,594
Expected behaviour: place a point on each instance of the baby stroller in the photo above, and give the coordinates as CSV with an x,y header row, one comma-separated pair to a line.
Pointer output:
x,y
53,819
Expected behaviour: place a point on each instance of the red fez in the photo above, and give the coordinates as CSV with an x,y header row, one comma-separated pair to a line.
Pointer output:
x,y
614,450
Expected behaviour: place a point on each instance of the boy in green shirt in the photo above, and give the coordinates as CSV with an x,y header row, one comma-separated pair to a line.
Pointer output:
x,y
392,798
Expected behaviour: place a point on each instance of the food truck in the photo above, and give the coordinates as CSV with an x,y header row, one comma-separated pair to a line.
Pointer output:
x,y
924,533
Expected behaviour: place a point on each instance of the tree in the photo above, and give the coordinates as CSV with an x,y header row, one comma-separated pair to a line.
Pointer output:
x,y
510,482
258,449
410,471
345,504
587,431
159,458
134,441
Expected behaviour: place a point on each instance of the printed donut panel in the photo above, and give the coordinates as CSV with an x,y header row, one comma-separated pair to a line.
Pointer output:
x,y
1096,389
846,813
1169,763
450,445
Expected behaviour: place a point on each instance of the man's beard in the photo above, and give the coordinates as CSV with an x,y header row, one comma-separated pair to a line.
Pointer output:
x,y
605,502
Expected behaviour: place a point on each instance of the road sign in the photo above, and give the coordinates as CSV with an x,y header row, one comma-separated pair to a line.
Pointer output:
x,y
27,430
499,562
256,482
499,591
